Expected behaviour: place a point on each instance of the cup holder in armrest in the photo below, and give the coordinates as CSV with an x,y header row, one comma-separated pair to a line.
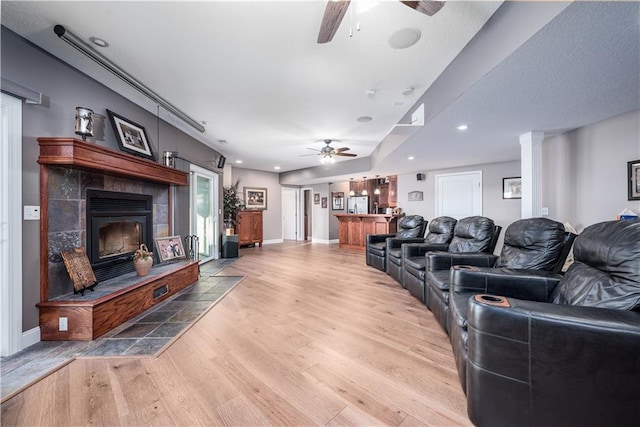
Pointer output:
x,y
492,300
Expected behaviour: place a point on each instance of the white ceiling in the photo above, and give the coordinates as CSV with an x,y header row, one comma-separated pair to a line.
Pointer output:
x,y
254,72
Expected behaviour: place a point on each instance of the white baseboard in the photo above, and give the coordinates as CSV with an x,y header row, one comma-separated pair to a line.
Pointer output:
x,y
272,241
31,337
323,241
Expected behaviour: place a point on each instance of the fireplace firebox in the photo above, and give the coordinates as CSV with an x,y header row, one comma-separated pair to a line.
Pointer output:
x,y
116,225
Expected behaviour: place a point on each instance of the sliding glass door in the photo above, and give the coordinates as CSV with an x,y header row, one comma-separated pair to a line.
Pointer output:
x,y
204,212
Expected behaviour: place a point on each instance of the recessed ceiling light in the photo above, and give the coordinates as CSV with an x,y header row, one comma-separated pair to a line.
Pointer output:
x,y
98,41
404,38
410,157
407,91
397,103
277,168
364,119
463,127
238,161
222,141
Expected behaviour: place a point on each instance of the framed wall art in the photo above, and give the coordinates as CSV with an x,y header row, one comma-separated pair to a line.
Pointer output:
x,y
132,138
255,198
324,203
337,201
316,198
169,248
633,172
415,196
512,187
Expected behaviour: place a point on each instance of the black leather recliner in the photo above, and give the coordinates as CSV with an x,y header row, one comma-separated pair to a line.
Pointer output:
x,y
565,354
438,239
472,236
535,246
409,227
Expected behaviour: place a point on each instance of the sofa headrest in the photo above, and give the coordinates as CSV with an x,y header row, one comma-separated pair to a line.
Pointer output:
x,y
606,269
533,243
441,229
411,226
472,234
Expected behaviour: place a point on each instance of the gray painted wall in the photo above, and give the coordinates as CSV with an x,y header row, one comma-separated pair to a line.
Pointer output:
x,y
585,171
333,221
65,89
272,216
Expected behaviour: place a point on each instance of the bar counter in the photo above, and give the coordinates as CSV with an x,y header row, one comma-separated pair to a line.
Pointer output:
x,y
353,228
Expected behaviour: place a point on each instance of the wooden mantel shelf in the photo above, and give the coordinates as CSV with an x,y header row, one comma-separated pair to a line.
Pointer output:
x,y
78,154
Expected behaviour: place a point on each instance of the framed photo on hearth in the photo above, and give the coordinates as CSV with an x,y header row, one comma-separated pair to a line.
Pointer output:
x,y
132,138
169,248
512,187
255,198
633,172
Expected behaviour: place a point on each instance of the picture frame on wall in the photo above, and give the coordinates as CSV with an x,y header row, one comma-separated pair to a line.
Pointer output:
x,y
170,248
512,187
132,137
337,201
316,198
324,203
255,198
633,173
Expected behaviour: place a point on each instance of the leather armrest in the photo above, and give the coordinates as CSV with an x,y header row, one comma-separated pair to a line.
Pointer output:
x,y
396,242
533,285
419,249
567,364
446,260
378,238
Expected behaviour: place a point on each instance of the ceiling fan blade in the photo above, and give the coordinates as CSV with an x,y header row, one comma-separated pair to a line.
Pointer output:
x,y
340,150
345,154
427,7
333,14
313,150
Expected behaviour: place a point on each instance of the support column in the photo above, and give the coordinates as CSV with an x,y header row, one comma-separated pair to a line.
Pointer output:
x,y
531,172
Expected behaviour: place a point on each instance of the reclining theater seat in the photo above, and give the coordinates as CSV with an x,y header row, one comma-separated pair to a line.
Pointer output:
x,y
472,235
409,227
412,261
534,247
568,355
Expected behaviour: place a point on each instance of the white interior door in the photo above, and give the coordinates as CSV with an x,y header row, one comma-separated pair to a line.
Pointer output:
x,y
459,195
11,226
289,213
204,212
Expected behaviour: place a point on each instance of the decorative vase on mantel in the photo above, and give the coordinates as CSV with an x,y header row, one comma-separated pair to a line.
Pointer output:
x,y
142,260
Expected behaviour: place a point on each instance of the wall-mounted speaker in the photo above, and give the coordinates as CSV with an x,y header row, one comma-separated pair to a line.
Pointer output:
x,y
420,176
221,161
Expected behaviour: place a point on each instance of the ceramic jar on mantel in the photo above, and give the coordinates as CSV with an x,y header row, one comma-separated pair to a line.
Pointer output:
x,y
143,260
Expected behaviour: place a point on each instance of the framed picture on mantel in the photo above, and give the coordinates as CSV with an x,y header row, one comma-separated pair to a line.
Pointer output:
x,y
132,138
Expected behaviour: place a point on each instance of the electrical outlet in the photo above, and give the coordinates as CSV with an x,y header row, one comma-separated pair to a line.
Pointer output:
x,y
63,324
544,211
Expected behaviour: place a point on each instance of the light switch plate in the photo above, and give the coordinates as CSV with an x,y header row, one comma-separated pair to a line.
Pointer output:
x,y
31,213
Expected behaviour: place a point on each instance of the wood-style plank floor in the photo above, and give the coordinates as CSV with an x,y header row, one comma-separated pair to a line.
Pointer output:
x,y
312,336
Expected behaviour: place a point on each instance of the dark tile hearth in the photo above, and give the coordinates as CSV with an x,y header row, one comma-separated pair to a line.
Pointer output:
x,y
145,334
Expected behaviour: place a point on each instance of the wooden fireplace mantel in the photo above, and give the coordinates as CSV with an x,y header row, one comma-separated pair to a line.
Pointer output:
x,y
78,154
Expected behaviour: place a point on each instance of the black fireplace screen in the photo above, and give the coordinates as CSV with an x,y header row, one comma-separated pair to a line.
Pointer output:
x,y
117,224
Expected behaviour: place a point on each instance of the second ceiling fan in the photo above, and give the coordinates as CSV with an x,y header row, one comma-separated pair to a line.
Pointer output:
x,y
335,11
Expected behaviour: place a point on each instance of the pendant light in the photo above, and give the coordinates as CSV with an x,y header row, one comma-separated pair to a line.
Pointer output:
x,y
377,190
351,192
364,190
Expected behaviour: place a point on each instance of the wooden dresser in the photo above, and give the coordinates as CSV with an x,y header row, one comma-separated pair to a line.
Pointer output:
x,y
249,227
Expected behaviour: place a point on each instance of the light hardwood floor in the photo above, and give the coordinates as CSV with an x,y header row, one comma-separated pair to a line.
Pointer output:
x,y
312,336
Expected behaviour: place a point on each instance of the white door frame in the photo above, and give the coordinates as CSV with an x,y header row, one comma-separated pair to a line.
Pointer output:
x,y
214,177
473,176
11,226
296,206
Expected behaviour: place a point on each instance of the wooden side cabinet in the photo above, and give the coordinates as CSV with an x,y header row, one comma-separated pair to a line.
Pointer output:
x,y
249,224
